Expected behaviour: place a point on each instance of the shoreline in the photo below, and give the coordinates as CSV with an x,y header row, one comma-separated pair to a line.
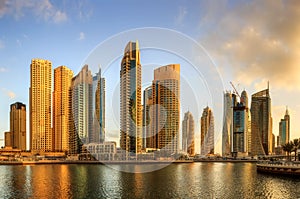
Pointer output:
x,y
288,170
45,162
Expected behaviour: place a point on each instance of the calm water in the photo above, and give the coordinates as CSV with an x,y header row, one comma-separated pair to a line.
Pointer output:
x,y
197,180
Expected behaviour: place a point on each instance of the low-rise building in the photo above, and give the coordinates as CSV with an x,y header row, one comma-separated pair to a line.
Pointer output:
x,y
105,151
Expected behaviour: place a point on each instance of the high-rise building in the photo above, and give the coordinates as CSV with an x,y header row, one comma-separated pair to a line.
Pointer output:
x,y
261,123
131,100
188,134
149,138
240,128
18,125
99,108
41,137
227,124
62,101
244,101
284,129
207,132
166,110
82,108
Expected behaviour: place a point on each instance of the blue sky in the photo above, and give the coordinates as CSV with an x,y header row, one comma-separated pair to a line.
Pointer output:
x,y
250,43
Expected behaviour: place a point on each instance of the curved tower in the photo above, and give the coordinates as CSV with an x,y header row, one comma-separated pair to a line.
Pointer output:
x,y
227,124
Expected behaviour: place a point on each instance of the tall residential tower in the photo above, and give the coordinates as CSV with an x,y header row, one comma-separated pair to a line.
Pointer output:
x,y
227,124
166,112
188,137
62,101
82,106
18,125
131,100
284,129
207,132
99,108
261,123
41,137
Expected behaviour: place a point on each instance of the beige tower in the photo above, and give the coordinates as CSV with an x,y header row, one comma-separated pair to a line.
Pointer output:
x,y
61,107
18,125
131,100
188,138
40,105
166,112
207,132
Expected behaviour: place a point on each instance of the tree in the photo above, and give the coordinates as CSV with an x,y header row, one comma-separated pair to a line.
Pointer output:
x,y
288,147
296,145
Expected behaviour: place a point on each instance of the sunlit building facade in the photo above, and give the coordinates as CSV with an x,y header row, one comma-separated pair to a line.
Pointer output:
x,y
149,138
261,123
166,112
227,124
41,136
62,102
207,132
82,107
18,126
131,100
99,108
188,134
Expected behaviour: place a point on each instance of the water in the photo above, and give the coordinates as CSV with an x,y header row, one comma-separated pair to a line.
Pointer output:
x,y
195,180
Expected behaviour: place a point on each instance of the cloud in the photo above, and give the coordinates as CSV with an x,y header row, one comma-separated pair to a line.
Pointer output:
x,y
84,9
9,93
60,17
81,36
3,70
42,9
181,15
259,40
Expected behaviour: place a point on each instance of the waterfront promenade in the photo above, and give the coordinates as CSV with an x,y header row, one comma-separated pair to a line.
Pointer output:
x,y
283,168
40,162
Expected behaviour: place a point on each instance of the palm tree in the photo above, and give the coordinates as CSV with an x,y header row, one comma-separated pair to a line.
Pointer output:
x,y
288,147
296,145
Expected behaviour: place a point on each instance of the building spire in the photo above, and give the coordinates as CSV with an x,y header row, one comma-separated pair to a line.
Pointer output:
x,y
287,111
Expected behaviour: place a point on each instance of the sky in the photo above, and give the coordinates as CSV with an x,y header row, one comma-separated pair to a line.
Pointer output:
x,y
246,42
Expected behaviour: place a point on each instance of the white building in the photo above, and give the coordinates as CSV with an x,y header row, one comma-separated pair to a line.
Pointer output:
x,y
102,151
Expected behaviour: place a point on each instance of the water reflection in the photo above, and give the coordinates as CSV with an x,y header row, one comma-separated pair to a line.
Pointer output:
x,y
197,180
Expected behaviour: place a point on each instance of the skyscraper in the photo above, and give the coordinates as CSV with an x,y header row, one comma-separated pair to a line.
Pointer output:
x,y
207,132
227,124
149,138
244,101
131,100
261,123
40,105
62,98
240,128
82,106
99,108
284,129
188,134
166,112
18,125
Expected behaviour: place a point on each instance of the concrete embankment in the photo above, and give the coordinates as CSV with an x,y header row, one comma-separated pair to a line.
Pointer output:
x,y
40,162
283,169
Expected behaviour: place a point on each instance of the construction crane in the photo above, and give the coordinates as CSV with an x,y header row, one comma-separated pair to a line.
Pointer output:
x,y
235,89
